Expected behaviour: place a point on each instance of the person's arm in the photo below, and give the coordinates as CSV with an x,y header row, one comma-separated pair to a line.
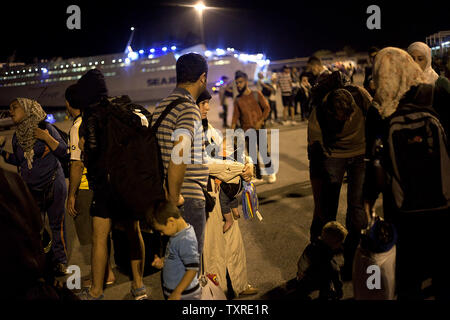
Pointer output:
x,y
175,175
45,136
236,115
10,158
53,139
265,105
183,137
76,172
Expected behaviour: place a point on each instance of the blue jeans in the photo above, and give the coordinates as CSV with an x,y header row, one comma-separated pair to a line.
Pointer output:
x,y
193,211
356,218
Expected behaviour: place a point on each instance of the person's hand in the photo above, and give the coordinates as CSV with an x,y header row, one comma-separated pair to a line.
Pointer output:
x,y
372,85
247,172
259,124
174,296
71,206
369,209
178,201
41,134
158,263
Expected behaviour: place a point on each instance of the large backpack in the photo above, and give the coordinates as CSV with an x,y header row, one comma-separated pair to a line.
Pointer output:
x,y
419,165
132,159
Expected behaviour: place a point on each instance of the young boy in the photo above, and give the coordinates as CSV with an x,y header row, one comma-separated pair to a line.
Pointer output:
x,y
181,262
317,269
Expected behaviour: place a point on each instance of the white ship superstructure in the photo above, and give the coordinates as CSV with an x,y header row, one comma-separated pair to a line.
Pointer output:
x,y
144,75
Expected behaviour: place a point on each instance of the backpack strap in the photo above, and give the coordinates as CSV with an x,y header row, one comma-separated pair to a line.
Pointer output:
x,y
167,110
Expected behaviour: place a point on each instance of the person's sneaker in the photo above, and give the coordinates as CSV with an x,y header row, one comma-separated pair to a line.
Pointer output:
x,y
85,295
139,293
60,270
270,178
249,291
257,182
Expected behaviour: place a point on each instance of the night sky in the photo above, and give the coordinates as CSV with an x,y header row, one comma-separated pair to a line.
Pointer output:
x,y
280,29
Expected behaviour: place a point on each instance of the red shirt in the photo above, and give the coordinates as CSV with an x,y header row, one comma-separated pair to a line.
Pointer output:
x,y
249,111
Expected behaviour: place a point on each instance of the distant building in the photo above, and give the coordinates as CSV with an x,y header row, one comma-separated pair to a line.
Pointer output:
x,y
439,43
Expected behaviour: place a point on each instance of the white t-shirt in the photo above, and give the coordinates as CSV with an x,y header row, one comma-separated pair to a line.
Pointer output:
x,y
75,151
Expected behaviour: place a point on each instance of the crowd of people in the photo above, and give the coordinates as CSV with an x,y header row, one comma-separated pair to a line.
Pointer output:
x,y
351,131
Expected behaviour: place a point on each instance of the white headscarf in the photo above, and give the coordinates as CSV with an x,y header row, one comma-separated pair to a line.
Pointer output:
x,y
430,75
25,129
394,73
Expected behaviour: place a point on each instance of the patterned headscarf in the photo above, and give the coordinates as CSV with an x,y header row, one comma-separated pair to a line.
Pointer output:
x,y
25,130
430,75
394,73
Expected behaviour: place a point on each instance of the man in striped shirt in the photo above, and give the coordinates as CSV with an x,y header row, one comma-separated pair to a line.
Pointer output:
x,y
285,83
180,139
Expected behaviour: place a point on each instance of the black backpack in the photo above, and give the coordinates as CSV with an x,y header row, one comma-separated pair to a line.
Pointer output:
x,y
419,164
132,155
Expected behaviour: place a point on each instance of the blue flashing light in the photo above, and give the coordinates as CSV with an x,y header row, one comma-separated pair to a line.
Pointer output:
x,y
133,55
44,70
220,52
164,49
152,50
127,60
150,56
173,48
208,53
50,118
141,51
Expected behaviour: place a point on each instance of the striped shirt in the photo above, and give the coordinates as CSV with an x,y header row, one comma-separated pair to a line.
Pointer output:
x,y
184,119
285,82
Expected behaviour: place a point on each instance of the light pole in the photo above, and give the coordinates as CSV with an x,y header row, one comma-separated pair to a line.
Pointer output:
x,y
200,6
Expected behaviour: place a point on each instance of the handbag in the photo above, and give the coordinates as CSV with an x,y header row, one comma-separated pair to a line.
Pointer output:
x,y
210,286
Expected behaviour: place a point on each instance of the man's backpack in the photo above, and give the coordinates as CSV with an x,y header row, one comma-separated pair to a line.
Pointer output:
x,y
419,164
132,159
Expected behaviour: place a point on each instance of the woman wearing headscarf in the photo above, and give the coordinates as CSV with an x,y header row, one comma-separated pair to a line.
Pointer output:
x,y
421,53
35,153
223,252
422,236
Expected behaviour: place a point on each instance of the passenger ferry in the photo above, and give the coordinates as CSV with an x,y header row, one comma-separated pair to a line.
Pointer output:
x,y
147,76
